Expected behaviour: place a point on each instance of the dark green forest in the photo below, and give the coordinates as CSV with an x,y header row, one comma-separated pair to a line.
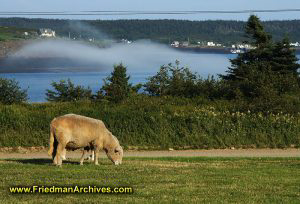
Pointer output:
x,y
164,31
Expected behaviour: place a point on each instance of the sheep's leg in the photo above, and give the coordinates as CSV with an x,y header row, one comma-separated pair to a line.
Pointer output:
x,y
96,155
60,150
93,155
82,157
63,154
54,160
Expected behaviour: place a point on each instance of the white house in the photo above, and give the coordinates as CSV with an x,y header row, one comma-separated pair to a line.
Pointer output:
x,y
47,32
296,44
247,46
175,44
212,44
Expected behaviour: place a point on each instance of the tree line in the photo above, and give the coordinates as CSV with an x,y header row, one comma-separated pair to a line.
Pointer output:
x,y
262,79
165,31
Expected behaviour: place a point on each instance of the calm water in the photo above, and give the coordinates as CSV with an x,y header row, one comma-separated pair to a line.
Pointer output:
x,y
37,83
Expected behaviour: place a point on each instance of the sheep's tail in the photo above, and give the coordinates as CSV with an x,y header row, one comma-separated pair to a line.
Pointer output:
x,y
51,141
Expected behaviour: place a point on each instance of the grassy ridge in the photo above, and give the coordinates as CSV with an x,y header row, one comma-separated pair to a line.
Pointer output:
x,y
150,122
168,180
13,33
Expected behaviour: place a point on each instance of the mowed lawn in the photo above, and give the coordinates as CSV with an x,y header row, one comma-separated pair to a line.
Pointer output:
x,y
159,180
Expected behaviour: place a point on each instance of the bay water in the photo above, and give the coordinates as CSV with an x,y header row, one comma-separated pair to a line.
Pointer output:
x,y
204,64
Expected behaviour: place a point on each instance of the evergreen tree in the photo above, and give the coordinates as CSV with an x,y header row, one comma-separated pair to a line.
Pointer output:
x,y
284,58
261,54
285,66
272,65
255,31
116,87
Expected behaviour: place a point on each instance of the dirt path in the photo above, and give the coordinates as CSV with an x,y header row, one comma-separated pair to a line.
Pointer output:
x,y
292,152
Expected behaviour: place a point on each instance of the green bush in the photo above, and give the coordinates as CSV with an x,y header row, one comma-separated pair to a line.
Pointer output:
x,y
173,80
67,91
10,92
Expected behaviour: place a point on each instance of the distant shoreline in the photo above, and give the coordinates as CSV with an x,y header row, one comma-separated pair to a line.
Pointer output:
x,y
213,50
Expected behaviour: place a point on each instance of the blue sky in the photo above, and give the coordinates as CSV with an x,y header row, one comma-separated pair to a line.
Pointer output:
x,y
154,5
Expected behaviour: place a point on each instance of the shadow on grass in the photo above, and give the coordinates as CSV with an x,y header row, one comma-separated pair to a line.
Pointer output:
x,y
43,161
39,161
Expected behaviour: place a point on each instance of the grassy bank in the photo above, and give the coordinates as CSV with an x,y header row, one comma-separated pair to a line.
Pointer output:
x,y
156,180
150,122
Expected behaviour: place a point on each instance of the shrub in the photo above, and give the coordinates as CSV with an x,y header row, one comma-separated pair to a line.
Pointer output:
x,y
10,92
67,91
172,80
157,122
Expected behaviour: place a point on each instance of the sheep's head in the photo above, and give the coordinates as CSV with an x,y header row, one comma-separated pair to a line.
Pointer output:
x,y
115,154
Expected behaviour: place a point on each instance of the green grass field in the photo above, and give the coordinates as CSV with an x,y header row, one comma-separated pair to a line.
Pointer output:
x,y
159,180
13,33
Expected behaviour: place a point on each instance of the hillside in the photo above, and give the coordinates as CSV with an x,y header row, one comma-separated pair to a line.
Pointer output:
x,y
165,31
15,33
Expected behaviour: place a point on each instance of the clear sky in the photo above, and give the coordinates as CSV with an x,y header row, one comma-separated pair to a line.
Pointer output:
x,y
76,6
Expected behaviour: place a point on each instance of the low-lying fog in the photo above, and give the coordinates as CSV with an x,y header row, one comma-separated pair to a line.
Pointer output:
x,y
140,56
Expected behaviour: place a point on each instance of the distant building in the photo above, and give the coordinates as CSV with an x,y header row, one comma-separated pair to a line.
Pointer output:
x,y
296,44
126,41
47,32
241,46
211,44
247,46
175,44
185,44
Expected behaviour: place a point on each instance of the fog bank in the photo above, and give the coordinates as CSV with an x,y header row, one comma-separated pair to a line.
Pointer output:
x,y
59,55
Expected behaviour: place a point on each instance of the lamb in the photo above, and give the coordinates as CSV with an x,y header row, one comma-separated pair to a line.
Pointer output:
x,y
73,131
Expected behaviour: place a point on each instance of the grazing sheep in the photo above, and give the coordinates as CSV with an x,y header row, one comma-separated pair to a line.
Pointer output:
x,y
72,132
